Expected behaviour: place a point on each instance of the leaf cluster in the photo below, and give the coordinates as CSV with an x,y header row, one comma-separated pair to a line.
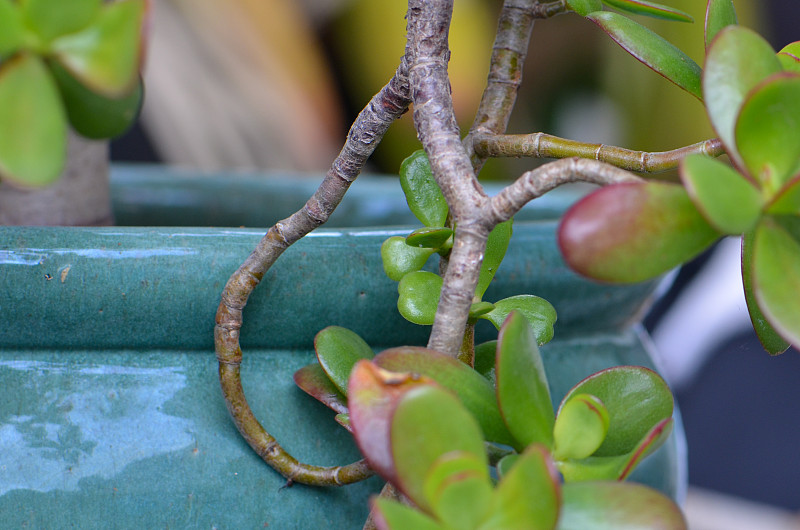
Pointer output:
x,y
636,231
62,63
423,421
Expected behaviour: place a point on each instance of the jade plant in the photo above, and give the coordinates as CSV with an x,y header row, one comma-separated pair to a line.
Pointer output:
x,y
64,64
467,435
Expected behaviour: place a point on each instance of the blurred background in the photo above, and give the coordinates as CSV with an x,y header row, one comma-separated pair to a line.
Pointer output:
x,y
274,84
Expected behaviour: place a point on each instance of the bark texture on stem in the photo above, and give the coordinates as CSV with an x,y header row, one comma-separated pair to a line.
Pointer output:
x,y
539,181
366,132
541,145
427,54
514,27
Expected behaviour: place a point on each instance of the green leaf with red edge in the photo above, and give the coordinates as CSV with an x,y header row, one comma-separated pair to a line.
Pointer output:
x,y
789,57
459,489
313,380
53,18
92,115
338,350
399,258
528,495
584,7
633,231
419,296
787,201
424,198
474,390
767,131
617,506
616,467
522,389
393,515
737,60
652,50
776,274
729,201
427,423
496,246
539,312
105,56
12,29
373,394
719,14
772,342
636,398
650,9
33,125
580,428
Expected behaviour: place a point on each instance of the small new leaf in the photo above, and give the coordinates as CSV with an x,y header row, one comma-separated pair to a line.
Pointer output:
x,y
425,199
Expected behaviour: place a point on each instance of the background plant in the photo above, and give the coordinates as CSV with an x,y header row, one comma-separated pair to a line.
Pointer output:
x,y
64,64
673,222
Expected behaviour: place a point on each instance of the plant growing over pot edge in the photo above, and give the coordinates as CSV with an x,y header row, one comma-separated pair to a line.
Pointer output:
x,y
672,220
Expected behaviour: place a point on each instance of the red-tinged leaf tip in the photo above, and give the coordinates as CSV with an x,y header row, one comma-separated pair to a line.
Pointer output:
x,y
373,395
632,232
313,381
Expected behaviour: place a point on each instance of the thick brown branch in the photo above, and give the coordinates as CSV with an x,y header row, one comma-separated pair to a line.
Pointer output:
x,y
364,135
541,145
539,181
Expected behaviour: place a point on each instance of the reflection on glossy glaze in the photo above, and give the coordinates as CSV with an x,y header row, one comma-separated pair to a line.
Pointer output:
x,y
102,419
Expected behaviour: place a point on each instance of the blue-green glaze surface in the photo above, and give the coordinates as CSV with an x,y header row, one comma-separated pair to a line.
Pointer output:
x,y
110,409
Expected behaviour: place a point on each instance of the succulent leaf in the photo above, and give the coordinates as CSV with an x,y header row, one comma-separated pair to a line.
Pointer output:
x,y
33,124
539,312
719,14
419,297
772,342
633,232
105,55
522,389
636,398
427,423
338,350
767,131
399,258
651,50
737,60
617,506
496,246
650,9
474,390
425,199
729,201
776,274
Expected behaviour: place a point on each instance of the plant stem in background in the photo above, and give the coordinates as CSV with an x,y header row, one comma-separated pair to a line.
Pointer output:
x,y
365,134
541,145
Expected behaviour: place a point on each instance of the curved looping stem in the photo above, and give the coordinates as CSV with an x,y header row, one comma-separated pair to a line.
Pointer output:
x,y
365,134
541,145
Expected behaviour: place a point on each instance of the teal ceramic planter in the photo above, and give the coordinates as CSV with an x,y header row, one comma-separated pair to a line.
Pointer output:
x,y
110,409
